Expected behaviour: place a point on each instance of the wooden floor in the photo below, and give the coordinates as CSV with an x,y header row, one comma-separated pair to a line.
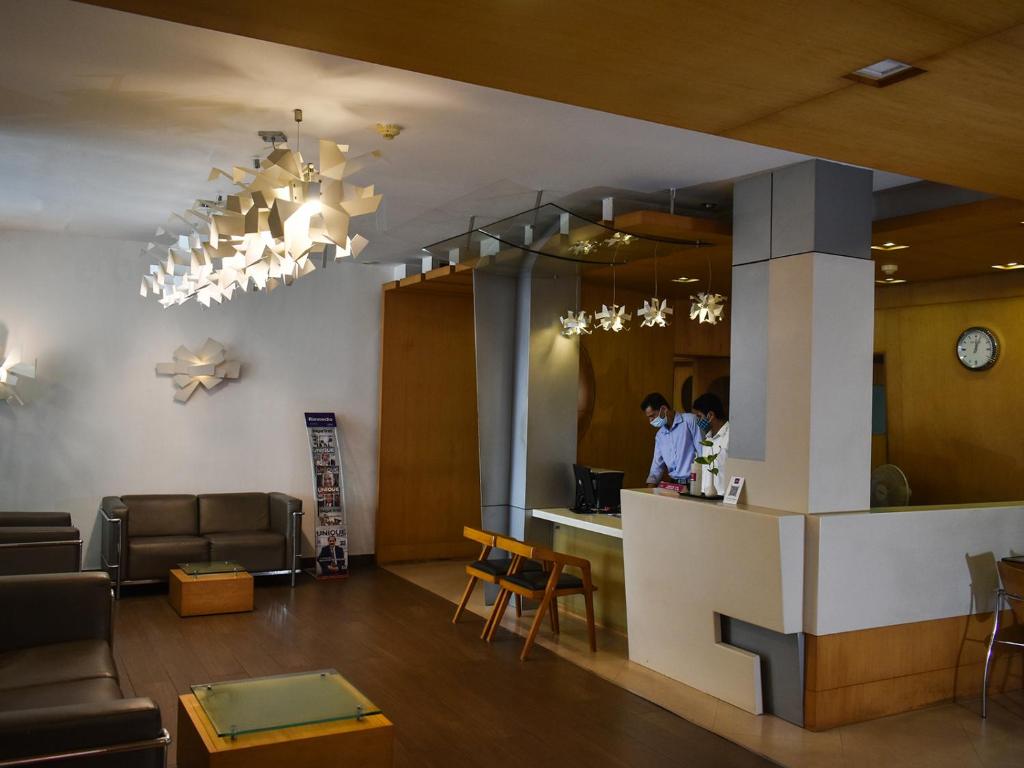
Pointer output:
x,y
455,701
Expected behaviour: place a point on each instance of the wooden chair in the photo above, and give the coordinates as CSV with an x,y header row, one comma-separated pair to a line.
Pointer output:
x,y
1012,592
485,568
546,586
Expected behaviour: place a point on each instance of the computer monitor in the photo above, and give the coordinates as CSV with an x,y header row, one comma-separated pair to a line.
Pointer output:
x,y
597,490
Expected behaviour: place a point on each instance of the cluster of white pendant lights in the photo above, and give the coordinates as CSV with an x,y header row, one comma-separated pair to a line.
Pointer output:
x,y
285,212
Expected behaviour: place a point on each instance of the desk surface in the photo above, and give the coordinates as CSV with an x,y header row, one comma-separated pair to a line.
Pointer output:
x,y
606,524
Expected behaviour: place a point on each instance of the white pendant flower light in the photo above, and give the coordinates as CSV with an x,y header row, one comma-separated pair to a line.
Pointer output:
x,y
266,234
655,312
615,318
707,307
576,322
12,368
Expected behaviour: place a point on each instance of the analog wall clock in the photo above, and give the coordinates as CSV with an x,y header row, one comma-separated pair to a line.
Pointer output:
x,y
977,349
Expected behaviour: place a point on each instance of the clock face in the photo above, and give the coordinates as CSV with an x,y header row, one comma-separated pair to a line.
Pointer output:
x,y
977,349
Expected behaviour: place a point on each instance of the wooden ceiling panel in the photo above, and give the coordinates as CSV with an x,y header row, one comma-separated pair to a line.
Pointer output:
x,y
768,73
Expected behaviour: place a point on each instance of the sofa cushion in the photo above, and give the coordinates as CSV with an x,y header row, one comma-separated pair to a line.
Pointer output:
x,y
255,550
224,512
91,691
161,515
152,557
56,663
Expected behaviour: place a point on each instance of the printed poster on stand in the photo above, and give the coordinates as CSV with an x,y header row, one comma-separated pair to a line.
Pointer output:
x,y
331,532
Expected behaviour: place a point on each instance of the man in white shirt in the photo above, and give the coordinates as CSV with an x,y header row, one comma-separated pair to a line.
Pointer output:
x,y
713,421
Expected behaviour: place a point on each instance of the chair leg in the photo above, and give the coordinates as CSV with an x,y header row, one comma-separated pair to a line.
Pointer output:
x,y
470,585
988,657
519,606
544,605
497,615
553,614
588,597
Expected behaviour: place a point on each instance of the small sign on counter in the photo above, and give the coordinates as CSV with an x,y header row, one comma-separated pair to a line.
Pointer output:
x,y
732,493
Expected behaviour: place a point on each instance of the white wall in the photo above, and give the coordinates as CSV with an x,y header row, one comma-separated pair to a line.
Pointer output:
x,y
101,422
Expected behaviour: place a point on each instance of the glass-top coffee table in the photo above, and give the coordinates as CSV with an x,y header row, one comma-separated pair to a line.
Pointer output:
x,y
215,586
298,719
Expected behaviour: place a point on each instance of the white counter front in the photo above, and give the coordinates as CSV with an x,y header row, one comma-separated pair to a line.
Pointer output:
x,y
686,562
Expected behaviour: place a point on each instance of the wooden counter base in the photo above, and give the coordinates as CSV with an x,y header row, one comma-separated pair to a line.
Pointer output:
x,y
368,743
869,673
212,593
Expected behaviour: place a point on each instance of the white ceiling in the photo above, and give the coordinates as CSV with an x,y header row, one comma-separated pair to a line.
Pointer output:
x,y
108,122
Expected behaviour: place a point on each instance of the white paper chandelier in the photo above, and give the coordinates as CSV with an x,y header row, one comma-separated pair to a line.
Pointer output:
x,y
655,313
707,307
286,212
614,318
12,368
576,323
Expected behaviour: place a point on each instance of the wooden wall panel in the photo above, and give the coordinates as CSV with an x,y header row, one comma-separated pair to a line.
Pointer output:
x,y
955,433
861,675
626,367
429,466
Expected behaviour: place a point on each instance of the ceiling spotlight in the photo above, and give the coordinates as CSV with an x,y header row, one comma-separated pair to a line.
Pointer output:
x,y
889,270
685,279
1008,265
890,246
884,72
388,130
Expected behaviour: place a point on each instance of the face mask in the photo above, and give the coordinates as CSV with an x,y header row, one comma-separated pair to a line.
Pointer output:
x,y
704,423
658,422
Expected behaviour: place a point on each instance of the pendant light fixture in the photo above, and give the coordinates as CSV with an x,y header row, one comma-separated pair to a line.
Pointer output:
x,y
615,319
285,212
655,312
707,307
576,323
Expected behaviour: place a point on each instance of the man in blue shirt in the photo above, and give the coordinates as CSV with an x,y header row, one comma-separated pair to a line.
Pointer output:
x,y
675,442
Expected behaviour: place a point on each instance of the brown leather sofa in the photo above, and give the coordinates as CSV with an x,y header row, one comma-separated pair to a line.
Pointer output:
x,y
60,702
145,536
39,542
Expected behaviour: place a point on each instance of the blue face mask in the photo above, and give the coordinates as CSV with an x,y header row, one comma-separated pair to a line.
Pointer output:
x,y
704,423
658,421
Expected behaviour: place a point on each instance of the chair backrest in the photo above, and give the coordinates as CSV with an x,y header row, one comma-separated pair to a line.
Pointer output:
x,y
515,547
480,536
1012,577
984,581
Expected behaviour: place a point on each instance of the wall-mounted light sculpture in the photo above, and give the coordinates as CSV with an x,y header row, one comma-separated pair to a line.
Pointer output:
x,y
12,368
208,367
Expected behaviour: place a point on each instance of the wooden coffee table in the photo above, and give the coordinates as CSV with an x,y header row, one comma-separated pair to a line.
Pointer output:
x,y
201,589
305,720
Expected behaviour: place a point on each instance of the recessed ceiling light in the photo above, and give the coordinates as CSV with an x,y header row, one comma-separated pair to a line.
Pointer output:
x,y
686,280
1008,265
890,281
890,246
884,72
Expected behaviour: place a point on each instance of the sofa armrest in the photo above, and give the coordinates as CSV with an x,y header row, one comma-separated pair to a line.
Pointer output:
x,y
286,512
55,608
107,727
114,536
35,519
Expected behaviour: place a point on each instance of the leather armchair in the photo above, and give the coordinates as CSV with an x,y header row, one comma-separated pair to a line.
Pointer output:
x,y
39,542
60,702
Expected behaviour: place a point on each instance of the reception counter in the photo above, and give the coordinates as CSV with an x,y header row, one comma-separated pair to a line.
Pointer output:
x,y
689,562
873,611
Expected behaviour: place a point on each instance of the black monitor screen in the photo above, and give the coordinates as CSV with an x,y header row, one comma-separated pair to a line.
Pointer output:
x,y
586,500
